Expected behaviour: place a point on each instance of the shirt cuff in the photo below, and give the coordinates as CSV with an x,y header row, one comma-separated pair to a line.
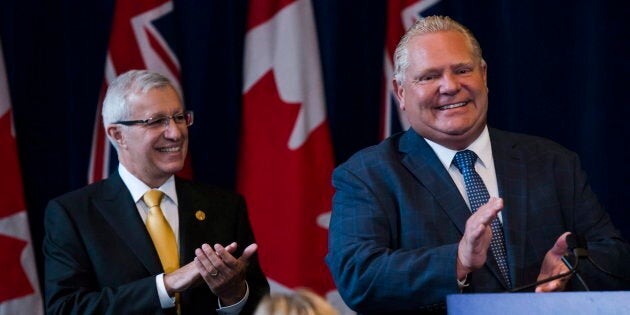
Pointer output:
x,y
165,300
234,308
462,283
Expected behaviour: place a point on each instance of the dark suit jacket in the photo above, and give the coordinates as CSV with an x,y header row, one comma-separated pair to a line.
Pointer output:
x,y
99,258
398,217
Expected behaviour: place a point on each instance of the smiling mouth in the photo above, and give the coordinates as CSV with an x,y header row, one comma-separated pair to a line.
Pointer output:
x,y
451,106
171,149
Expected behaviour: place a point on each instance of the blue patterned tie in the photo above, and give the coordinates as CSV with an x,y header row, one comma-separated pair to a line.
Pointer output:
x,y
478,195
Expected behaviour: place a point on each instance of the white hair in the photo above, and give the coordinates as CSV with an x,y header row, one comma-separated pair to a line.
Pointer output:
x,y
427,25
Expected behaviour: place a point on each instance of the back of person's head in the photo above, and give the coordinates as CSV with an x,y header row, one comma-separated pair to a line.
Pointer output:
x,y
428,25
299,302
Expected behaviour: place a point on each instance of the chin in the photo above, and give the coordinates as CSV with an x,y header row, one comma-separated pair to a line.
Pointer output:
x,y
172,168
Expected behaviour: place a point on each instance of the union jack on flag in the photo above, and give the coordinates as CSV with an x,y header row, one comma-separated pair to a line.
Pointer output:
x,y
135,43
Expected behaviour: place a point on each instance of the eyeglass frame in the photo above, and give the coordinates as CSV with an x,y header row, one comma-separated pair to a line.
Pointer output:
x,y
153,121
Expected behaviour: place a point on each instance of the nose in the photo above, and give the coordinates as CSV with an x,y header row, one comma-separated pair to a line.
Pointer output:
x,y
172,130
449,84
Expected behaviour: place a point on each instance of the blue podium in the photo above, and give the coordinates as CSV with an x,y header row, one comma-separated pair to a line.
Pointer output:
x,y
613,302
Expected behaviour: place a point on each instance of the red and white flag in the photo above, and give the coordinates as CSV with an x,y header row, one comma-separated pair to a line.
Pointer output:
x,y
19,291
286,156
401,14
135,43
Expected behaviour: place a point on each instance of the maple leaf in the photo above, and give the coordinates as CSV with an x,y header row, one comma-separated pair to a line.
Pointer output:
x,y
11,194
286,190
11,271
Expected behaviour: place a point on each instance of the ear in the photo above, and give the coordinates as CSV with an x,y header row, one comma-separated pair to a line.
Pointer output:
x,y
399,91
115,132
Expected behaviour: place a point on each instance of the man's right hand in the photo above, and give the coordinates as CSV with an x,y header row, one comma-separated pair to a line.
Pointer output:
x,y
473,247
182,279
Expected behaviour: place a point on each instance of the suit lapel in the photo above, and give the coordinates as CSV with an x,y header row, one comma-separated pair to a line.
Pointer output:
x,y
427,168
511,177
424,164
195,220
120,212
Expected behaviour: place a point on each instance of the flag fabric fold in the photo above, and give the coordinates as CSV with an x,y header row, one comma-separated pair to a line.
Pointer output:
x,y
19,292
286,157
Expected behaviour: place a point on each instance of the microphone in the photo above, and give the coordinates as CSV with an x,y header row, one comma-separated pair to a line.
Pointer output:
x,y
579,248
577,245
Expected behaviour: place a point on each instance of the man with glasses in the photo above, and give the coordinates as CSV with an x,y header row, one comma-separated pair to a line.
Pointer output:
x,y
144,241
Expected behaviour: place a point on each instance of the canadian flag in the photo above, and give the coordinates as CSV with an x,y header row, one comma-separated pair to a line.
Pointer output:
x,y
401,14
134,43
286,156
19,292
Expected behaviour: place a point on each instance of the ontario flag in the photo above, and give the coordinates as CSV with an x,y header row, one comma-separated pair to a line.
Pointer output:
x,y
286,157
19,291
401,14
138,41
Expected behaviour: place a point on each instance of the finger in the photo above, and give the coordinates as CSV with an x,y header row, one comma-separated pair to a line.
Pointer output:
x,y
214,259
204,260
550,286
560,247
225,255
203,270
212,254
249,252
231,248
489,211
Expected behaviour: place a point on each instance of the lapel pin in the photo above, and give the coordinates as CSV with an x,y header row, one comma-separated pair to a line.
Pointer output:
x,y
200,215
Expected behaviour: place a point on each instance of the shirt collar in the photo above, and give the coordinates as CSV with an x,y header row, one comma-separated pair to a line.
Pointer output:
x,y
481,147
137,188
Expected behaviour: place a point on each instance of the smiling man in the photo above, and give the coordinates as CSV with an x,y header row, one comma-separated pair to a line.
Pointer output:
x,y
452,205
144,241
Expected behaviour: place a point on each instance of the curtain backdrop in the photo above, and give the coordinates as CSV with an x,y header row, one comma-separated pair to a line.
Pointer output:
x,y
556,69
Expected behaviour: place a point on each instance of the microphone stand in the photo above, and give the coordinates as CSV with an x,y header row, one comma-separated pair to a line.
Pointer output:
x,y
572,270
577,245
578,252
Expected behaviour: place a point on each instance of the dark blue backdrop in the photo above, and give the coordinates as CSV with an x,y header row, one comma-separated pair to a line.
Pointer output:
x,y
556,69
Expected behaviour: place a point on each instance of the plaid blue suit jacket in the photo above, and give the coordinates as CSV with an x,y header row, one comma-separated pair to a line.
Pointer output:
x,y
398,217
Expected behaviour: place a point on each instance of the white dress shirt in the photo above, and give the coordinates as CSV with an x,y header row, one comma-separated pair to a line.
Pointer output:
x,y
484,165
169,205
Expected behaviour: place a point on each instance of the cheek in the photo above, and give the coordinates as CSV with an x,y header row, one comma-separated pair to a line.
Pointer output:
x,y
420,95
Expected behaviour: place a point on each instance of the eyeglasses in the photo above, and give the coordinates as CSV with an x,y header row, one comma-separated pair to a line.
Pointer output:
x,y
186,117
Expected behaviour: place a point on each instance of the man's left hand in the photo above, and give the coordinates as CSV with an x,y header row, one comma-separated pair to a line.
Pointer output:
x,y
224,274
552,265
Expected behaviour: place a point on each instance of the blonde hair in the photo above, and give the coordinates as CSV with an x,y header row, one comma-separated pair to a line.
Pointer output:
x,y
298,302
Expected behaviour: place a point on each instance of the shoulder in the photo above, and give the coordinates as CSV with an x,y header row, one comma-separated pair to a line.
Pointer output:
x,y
376,155
206,192
533,149
80,205
81,195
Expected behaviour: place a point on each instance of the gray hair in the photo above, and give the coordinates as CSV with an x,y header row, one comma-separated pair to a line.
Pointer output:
x,y
115,106
427,25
